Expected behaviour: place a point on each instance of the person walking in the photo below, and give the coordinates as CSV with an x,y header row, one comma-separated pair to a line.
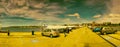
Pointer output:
x,y
65,34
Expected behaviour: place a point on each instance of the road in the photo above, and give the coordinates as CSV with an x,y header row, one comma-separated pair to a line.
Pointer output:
x,y
82,37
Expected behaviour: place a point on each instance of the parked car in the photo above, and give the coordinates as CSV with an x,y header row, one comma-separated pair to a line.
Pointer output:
x,y
97,29
61,30
65,30
108,30
50,32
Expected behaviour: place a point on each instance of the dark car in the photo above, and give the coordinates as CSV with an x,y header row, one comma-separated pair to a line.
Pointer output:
x,y
97,29
61,30
65,30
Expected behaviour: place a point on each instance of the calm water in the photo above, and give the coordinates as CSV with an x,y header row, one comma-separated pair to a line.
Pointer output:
x,y
35,29
20,29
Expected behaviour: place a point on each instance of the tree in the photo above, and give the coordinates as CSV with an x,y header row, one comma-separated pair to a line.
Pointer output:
x,y
107,23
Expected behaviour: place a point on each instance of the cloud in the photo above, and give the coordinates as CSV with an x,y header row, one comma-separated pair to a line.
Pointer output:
x,y
114,15
1,10
67,20
75,14
39,11
114,18
96,2
113,12
90,2
114,7
97,16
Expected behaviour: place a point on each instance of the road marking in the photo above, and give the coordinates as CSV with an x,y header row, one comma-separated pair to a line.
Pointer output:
x,y
34,41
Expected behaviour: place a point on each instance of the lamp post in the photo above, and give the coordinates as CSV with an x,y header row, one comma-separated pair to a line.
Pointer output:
x,y
0,22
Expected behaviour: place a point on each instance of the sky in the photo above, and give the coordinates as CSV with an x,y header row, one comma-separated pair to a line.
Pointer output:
x,y
37,12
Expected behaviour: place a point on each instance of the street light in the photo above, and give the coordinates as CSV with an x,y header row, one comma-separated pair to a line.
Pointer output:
x,y
0,22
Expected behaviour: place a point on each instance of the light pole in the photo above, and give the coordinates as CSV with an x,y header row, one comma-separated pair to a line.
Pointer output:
x,y
0,22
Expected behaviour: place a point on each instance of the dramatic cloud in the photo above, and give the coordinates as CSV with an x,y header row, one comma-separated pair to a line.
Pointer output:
x,y
113,14
61,11
38,11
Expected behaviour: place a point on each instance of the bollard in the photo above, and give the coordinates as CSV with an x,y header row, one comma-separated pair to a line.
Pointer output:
x,y
8,33
33,33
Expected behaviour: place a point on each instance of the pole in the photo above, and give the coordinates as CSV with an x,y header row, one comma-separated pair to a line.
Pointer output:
x,y
33,33
8,33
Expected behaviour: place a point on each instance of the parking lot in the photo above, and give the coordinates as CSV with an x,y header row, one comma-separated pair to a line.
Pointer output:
x,y
82,37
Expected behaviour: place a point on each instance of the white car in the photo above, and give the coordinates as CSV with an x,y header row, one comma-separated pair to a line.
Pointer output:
x,y
108,30
50,32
